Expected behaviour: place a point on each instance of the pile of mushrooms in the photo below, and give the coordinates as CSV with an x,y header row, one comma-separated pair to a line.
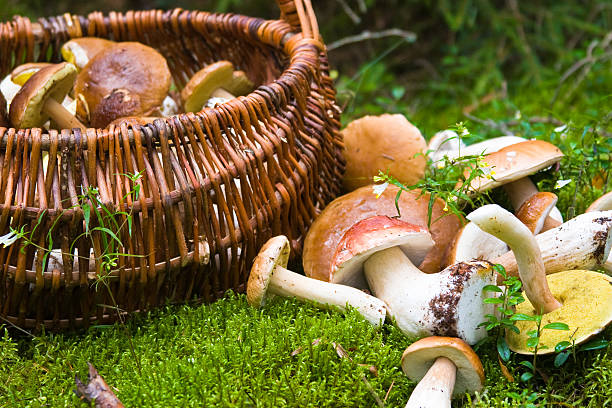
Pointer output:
x,y
428,274
103,82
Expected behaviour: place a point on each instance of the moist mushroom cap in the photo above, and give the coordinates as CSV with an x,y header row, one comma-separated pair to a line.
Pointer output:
x,y
127,65
587,310
274,253
204,82
328,228
385,142
54,81
533,211
375,234
118,104
420,356
23,72
517,161
79,51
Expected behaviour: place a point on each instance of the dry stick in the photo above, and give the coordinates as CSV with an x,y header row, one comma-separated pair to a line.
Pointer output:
x,y
97,390
372,35
349,12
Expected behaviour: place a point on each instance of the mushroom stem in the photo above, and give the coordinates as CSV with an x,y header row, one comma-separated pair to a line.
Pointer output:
x,y
61,115
386,268
436,388
222,93
290,284
500,223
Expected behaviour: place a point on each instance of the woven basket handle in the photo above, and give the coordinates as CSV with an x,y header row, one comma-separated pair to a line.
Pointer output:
x,y
300,15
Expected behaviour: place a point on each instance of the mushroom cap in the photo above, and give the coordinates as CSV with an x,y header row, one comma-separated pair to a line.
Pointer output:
x,y
4,120
274,253
328,228
382,143
241,84
204,82
587,310
603,203
420,356
54,81
515,162
23,72
534,210
79,51
374,234
471,243
444,143
134,120
118,104
127,65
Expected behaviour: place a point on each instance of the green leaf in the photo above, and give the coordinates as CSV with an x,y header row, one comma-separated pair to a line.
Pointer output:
x,y
493,300
86,216
503,349
595,345
492,288
532,342
501,270
527,364
522,317
526,376
514,329
556,326
562,345
561,358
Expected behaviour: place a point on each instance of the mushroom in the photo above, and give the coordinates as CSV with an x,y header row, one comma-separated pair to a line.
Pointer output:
x,y
132,66
603,203
512,165
22,73
4,120
581,299
473,243
241,84
119,103
40,98
535,210
445,367
447,303
448,143
328,228
269,277
79,51
382,143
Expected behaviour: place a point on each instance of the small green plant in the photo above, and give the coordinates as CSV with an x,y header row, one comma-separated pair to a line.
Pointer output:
x,y
449,179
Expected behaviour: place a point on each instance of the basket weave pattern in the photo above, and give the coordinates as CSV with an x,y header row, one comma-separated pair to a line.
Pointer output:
x,y
226,179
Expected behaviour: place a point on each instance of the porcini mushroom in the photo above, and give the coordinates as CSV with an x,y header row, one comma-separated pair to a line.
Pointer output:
x,y
4,120
22,73
473,243
328,228
535,210
79,51
447,303
269,277
447,143
132,66
580,299
213,81
386,143
444,367
512,165
603,203
118,104
40,98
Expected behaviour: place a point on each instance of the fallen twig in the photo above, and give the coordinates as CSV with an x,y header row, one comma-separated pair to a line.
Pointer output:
x,y
97,390
409,36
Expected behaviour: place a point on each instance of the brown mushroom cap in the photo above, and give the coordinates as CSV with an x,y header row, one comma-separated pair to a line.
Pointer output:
x,y
587,310
127,65
118,104
603,203
274,253
79,51
535,210
328,228
517,161
4,120
54,81
23,72
204,82
385,142
420,356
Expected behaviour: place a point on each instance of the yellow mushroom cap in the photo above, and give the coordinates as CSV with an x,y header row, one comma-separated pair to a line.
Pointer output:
x,y
204,82
587,310
79,51
22,73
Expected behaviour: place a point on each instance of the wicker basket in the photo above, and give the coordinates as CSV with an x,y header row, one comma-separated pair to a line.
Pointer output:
x,y
223,180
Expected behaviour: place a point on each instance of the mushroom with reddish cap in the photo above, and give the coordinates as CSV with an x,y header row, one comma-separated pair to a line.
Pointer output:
x,y
41,98
449,302
131,66
269,277
328,228
213,81
580,299
382,143
511,167
535,210
79,51
444,367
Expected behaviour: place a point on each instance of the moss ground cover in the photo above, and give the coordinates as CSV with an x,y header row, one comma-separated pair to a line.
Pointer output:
x,y
552,82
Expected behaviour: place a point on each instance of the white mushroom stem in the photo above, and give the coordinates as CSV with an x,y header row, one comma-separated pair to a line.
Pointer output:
x,y
580,243
436,388
61,115
502,224
448,303
221,93
521,190
290,284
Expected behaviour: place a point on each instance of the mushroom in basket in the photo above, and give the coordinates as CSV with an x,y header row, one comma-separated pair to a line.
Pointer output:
x,y
269,277
445,367
581,299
